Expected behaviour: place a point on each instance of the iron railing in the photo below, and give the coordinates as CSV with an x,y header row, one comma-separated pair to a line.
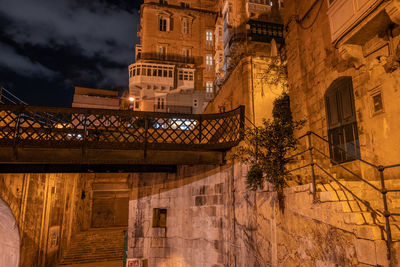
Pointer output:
x,y
56,127
167,57
312,164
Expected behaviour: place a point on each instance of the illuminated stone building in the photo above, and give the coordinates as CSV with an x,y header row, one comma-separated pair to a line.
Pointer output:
x,y
174,69
343,70
249,38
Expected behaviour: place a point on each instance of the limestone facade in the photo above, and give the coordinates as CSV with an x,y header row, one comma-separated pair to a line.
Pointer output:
x,y
324,46
252,39
175,56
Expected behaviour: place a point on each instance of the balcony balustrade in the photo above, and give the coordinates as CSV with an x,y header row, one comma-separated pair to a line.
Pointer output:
x,y
167,57
259,31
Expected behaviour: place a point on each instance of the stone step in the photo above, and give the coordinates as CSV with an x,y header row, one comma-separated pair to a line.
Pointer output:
x,y
95,245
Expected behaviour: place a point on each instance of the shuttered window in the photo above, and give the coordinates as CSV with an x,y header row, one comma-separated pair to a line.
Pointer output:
x,y
341,118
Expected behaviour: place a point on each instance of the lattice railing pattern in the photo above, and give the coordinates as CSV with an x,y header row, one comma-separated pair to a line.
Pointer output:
x,y
33,126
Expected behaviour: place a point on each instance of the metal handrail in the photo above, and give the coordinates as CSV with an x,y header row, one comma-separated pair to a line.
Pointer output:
x,y
342,150
382,190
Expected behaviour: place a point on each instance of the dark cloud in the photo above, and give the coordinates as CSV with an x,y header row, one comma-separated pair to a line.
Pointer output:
x,y
81,42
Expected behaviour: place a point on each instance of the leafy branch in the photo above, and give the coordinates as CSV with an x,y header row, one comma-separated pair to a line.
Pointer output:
x,y
267,147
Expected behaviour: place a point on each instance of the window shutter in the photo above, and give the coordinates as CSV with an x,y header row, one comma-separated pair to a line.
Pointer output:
x,y
332,109
346,104
171,24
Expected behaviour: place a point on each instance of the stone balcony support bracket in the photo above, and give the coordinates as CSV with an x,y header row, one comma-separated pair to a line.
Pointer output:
x,y
353,54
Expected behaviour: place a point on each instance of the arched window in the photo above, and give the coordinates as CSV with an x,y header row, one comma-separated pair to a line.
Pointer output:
x,y
341,120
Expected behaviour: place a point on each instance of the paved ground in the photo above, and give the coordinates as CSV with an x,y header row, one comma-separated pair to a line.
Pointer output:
x,y
96,264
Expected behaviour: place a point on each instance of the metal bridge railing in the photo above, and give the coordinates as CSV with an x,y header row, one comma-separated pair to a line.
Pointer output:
x,y
313,151
55,127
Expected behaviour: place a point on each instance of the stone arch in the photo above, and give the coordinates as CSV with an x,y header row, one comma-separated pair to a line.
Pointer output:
x,y
9,237
341,120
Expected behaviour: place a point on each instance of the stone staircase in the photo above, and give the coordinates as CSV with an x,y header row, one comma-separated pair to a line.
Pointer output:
x,y
95,245
350,214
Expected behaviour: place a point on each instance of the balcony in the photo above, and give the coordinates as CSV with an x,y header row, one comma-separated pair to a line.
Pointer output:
x,y
258,7
155,74
344,14
258,31
175,58
265,31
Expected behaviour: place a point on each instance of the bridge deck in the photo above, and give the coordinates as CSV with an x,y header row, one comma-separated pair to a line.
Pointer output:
x,y
38,136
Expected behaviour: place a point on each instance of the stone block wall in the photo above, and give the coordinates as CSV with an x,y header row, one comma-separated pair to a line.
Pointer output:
x,y
196,226
46,208
49,209
214,220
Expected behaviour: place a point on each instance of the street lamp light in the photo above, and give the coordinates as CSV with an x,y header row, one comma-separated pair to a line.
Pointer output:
x,y
131,99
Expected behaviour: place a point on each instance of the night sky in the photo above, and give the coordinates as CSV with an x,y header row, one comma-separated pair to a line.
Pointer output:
x,y
49,46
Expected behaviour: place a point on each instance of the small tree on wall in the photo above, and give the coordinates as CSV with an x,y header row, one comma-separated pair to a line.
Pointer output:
x,y
267,147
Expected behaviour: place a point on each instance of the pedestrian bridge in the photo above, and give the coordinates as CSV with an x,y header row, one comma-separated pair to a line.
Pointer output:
x,y
56,139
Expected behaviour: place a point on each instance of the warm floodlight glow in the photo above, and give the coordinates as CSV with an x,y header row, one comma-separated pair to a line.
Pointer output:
x,y
131,99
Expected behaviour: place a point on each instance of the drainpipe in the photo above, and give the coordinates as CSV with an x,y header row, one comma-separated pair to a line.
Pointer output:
x,y
252,90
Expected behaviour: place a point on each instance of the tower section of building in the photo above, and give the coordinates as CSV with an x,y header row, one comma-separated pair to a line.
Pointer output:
x,y
174,69
249,56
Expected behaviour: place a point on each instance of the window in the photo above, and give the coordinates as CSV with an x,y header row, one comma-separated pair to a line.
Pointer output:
x,y
209,87
160,103
138,52
185,5
162,52
209,38
185,26
341,118
185,54
163,24
377,102
159,217
185,75
209,62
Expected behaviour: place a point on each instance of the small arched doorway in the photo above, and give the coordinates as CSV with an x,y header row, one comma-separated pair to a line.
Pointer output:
x,y
341,120
9,237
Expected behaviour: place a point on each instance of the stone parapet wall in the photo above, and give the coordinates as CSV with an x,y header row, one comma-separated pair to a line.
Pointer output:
x,y
213,220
